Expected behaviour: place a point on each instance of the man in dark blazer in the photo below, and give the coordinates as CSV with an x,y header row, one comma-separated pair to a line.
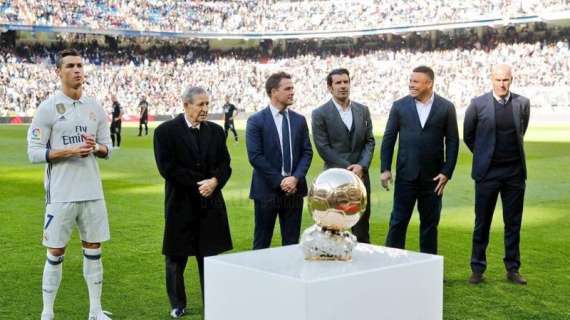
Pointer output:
x,y
427,152
493,129
279,150
342,132
192,157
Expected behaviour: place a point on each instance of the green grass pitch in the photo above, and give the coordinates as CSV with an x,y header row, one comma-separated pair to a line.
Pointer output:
x,y
134,267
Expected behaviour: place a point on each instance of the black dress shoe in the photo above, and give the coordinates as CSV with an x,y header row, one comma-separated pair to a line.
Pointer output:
x,y
177,313
516,278
476,278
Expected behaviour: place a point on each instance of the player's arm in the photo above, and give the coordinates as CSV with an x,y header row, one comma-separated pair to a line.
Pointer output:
x,y
102,147
39,133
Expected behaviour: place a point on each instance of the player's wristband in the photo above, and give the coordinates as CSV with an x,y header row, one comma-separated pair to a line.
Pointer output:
x,y
96,148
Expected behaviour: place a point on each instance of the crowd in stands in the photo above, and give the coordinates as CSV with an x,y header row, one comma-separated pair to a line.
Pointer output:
x,y
379,74
262,15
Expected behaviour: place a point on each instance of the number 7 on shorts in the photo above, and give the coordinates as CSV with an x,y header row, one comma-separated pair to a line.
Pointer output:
x,y
49,218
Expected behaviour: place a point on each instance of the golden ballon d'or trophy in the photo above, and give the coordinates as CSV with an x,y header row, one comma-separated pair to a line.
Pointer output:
x,y
336,199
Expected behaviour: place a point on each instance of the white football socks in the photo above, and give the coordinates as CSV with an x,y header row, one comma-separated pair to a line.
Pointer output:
x,y
93,274
50,282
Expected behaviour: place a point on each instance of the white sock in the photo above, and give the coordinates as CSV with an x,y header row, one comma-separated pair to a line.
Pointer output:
x,y
50,281
93,274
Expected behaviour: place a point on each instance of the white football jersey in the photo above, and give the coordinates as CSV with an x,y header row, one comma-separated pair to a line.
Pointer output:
x,y
58,124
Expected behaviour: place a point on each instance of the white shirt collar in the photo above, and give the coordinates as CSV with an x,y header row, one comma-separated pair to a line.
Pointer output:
x,y
189,123
275,111
499,98
428,103
340,108
69,99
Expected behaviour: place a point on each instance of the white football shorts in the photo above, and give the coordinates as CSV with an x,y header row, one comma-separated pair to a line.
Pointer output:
x,y
89,216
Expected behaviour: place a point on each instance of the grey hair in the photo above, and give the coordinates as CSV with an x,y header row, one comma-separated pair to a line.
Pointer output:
x,y
192,91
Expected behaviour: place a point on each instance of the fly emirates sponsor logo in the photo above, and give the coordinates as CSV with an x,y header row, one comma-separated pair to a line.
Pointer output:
x,y
76,138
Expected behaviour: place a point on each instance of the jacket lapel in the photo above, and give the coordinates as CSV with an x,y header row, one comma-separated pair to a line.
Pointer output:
x,y
292,132
335,116
516,113
205,140
433,110
491,110
337,122
357,123
272,128
414,111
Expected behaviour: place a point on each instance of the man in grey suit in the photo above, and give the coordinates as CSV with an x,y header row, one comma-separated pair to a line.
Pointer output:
x,y
493,129
342,132
426,126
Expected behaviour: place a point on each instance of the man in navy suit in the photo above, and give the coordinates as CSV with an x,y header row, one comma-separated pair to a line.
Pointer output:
x,y
280,152
494,128
428,145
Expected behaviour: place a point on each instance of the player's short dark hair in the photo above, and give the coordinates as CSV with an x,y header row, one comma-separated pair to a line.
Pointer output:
x,y
425,70
338,71
64,53
274,80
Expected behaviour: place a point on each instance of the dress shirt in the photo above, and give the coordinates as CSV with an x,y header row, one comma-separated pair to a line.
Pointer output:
x,y
345,115
500,100
424,109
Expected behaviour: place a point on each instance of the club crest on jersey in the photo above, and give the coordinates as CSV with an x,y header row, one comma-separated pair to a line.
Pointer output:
x,y
60,107
92,116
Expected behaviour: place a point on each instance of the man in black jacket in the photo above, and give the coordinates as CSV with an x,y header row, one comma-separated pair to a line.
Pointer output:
x,y
116,121
428,145
192,157
494,128
230,112
143,119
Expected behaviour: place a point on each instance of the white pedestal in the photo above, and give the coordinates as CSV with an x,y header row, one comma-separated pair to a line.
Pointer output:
x,y
278,284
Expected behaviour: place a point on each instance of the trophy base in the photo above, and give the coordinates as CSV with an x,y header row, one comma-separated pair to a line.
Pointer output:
x,y
319,243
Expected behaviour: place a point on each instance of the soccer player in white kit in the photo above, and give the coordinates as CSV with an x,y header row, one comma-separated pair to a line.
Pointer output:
x,y
68,131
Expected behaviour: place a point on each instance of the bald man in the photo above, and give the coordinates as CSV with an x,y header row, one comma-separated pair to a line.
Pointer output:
x,y
493,129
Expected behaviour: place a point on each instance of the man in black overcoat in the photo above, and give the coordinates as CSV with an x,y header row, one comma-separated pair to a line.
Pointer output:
x,y
192,157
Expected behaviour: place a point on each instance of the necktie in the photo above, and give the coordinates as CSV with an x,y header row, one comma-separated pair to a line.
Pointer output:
x,y
196,133
286,143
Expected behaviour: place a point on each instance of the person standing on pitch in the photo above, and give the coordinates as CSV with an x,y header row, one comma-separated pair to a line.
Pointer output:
x,y
342,132
493,129
426,126
67,132
192,157
143,116
280,152
116,121
230,112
